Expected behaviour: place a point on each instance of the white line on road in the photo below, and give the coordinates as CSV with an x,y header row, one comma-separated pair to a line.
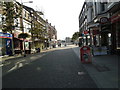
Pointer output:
x,y
20,65
13,68
1,65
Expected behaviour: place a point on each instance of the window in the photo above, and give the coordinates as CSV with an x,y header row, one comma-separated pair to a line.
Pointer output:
x,y
102,6
28,16
92,13
25,13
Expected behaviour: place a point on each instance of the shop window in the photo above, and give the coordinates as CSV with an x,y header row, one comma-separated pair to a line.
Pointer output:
x,y
25,14
102,6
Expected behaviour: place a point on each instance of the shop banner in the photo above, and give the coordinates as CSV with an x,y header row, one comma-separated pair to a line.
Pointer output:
x,y
5,35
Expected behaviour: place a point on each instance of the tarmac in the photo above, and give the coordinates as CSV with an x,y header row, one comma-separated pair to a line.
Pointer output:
x,y
103,69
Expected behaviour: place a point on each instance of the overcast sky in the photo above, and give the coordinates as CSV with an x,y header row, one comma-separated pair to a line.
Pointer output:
x,y
61,13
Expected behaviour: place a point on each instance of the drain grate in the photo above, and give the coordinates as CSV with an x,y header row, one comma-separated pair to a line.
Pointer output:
x,y
101,68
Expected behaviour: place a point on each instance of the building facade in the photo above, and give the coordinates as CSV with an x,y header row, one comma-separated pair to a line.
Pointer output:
x,y
97,25
114,11
5,36
25,20
68,40
52,35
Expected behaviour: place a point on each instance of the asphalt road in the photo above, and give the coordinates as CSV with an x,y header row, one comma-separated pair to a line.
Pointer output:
x,y
57,69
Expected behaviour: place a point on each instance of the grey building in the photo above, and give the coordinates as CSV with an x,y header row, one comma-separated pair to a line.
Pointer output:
x,y
99,24
68,40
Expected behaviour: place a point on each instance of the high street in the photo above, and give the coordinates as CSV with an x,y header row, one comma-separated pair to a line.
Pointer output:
x,y
59,68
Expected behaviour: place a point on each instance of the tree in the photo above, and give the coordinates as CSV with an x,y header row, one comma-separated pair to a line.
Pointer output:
x,y
38,31
8,12
75,36
10,15
23,35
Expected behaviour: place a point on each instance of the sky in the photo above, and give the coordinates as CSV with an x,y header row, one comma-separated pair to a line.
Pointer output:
x,y
63,14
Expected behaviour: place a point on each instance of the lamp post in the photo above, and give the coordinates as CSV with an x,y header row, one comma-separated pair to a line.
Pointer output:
x,y
22,27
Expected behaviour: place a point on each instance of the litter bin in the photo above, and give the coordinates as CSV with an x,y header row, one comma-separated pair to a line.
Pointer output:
x,y
85,54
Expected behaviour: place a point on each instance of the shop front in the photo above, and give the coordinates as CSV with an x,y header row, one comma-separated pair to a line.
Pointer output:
x,y
5,44
18,43
105,31
115,21
95,36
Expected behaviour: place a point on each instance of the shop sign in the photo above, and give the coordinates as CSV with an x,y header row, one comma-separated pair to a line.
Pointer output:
x,y
85,32
5,35
104,20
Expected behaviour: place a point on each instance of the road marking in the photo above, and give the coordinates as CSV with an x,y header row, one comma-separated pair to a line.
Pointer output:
x,y
13,68
81,73
1,65
20,65
33,57
17,65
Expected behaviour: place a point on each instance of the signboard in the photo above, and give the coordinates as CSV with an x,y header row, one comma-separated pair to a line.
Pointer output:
x,y
5,35
85,54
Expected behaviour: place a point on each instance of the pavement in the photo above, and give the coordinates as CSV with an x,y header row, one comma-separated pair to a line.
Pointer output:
x,y
6,57
103,70
16,56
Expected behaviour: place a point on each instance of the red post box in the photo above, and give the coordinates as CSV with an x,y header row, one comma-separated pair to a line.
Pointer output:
x,y
85,54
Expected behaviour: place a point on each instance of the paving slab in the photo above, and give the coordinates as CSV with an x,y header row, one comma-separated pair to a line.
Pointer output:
x,y
103,69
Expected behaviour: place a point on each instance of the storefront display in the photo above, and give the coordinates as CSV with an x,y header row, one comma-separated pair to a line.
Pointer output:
x,y
6,43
